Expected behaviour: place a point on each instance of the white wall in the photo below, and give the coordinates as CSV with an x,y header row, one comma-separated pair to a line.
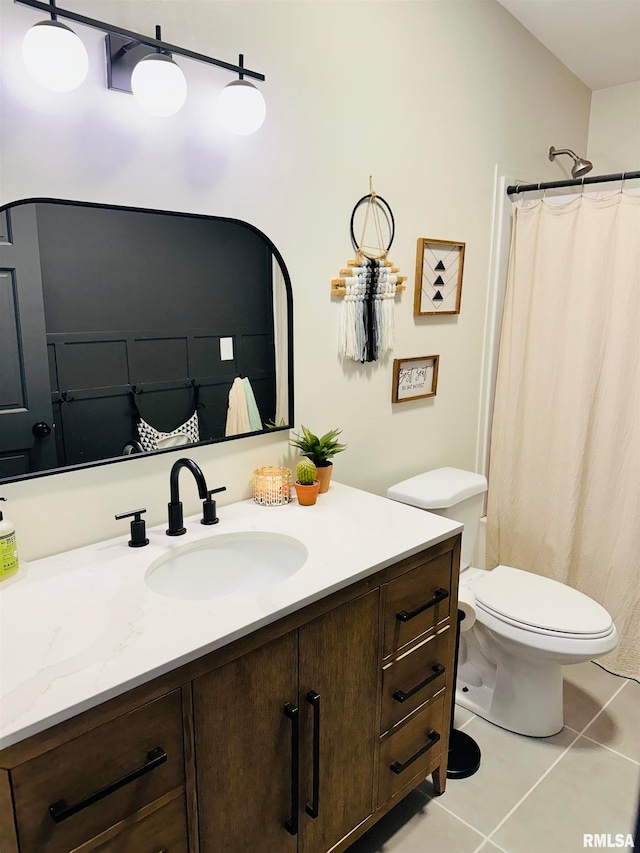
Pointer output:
x,y
614,129
426,97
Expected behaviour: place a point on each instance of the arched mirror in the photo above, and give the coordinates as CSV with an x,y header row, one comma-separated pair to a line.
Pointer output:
x,y
127,331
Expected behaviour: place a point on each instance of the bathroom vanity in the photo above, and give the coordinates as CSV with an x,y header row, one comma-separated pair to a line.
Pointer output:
x,y
281,719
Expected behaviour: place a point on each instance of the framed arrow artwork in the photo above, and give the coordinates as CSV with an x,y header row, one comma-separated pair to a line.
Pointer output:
x,y
439,266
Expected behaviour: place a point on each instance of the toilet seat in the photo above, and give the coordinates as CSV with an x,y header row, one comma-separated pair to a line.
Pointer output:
x,y
540,605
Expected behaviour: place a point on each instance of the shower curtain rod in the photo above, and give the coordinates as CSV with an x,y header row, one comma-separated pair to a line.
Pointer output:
x,y
576,182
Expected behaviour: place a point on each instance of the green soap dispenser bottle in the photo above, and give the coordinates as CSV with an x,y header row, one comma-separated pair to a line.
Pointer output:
x,y
8,548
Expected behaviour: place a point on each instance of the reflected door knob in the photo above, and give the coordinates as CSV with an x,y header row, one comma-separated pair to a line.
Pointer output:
x,y
41,429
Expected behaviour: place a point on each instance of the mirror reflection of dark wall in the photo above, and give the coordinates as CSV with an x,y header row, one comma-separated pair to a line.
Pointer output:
x,y
109,315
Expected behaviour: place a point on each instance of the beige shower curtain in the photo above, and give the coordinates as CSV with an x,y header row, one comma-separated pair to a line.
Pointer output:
x,y
563,472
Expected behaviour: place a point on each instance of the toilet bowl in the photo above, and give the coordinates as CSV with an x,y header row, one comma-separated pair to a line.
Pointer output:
x,y
527,626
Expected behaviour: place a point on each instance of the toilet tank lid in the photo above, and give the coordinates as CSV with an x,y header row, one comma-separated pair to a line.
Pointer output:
x,y
438,489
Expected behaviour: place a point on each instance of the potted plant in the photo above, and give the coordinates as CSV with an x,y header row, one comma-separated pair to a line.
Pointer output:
x,y
320,451
306,485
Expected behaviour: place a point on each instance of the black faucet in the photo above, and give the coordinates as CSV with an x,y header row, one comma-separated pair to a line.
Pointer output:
x,y
176,527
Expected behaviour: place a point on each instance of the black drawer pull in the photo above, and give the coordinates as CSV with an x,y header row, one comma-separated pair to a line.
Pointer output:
x,y
60,811
312,808
293,714
401,696
397,768
440,595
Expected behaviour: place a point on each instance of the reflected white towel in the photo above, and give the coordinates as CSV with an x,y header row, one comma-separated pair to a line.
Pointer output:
x,y
237,413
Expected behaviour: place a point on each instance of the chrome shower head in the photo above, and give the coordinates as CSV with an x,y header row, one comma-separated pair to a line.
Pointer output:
x,y
580,165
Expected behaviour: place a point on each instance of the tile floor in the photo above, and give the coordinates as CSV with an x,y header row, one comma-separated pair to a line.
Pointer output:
x,y
532,795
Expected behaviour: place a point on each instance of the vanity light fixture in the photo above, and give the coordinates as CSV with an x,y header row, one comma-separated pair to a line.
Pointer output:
x,y
54,56
158,84
241,107
137,64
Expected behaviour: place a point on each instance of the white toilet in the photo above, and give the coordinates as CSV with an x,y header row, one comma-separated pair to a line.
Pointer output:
x,y
527,627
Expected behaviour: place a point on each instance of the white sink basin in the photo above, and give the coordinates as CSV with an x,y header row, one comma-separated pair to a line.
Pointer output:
x,y
226,565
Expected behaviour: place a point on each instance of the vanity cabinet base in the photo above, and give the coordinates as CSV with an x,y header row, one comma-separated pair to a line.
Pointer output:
x,y
294,739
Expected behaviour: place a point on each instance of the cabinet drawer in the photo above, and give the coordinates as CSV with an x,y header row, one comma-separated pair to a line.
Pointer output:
x,y
82,772
416,601
413,678
409,752
164,831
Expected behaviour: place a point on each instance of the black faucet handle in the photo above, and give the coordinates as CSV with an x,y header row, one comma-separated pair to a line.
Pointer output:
x,y
138,527
209,507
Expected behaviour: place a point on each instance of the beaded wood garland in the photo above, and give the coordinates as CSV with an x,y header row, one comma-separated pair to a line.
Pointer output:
x,y
368,287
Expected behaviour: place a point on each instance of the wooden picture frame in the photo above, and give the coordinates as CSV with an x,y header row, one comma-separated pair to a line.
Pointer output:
x,y
439,265
414,378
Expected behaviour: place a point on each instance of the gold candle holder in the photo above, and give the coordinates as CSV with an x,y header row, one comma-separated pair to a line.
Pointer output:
x,y
272,485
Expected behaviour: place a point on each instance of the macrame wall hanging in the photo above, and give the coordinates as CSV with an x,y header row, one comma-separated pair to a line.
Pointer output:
x,y
369,285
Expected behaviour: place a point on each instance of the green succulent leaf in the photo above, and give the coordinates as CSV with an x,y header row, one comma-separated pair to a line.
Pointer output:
x,y
319,450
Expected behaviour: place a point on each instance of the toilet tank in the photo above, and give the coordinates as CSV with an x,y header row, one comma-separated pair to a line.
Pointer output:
x,y
451,492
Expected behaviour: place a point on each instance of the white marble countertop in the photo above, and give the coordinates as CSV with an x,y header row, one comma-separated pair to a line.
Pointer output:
x,y
79,628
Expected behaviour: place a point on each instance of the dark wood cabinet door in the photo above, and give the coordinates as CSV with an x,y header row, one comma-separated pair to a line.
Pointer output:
x,y
339,663
243,751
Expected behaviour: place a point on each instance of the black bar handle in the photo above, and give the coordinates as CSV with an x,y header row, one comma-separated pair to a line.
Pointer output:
x,y
292,713
209,514
312,808
397,768
132,514
138,527
60,811
439,595
401,696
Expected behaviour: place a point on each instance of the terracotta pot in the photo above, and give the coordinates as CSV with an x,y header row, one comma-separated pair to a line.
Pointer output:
x,y
323,473
307,495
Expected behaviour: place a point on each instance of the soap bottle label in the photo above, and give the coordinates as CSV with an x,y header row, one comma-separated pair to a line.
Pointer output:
x,y
8,554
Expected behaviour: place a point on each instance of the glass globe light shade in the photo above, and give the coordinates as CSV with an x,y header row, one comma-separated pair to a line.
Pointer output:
x,y
241,107
158,85
55,56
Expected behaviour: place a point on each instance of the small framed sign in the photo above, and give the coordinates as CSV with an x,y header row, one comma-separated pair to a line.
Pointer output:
x,y
438,277
414,378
